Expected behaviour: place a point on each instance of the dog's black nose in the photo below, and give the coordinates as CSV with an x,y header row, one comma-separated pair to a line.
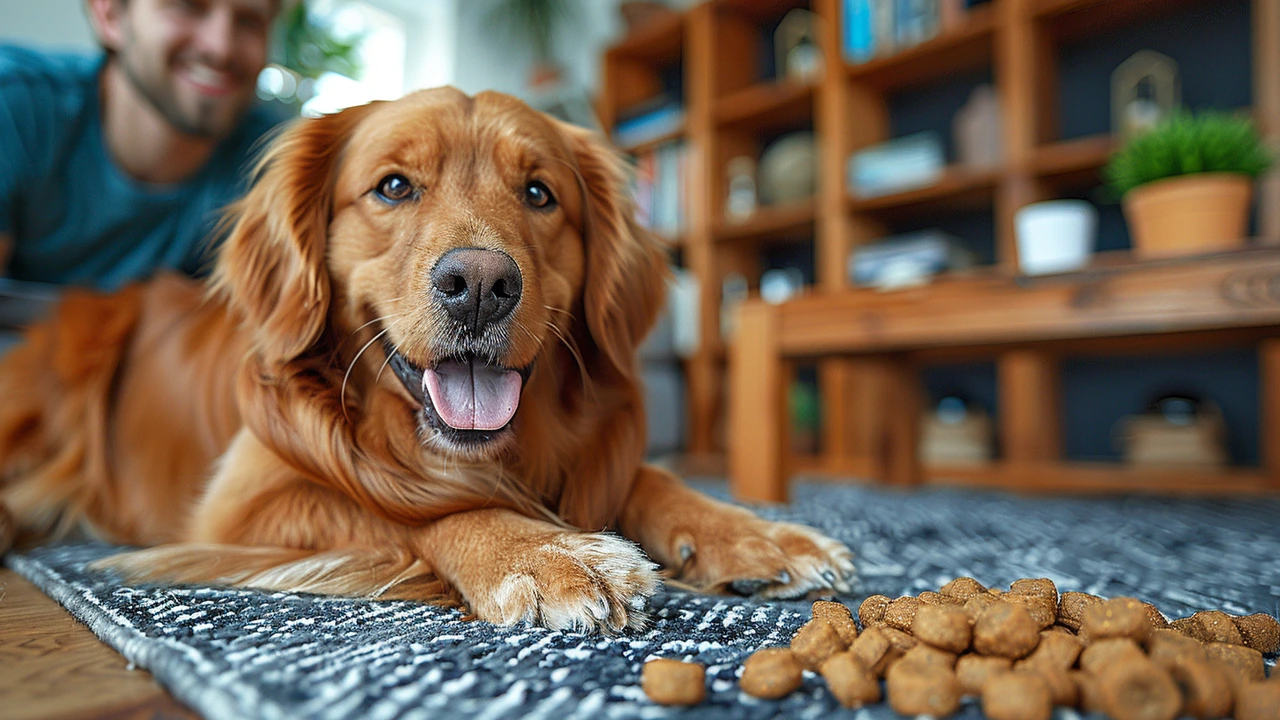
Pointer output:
x,y
477,287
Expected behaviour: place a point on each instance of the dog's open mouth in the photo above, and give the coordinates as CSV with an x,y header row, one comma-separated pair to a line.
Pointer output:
x,y
468,399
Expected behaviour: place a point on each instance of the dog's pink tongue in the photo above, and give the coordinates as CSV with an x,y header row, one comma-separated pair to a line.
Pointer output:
x,y
473,396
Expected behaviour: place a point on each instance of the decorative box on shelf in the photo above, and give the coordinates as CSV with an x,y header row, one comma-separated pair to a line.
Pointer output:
x,y
905,163
908,259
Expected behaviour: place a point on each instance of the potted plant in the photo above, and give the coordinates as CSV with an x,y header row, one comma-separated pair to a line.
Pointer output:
x,y
1186,185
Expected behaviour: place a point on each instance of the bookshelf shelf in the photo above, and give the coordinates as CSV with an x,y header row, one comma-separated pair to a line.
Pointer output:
x,y
1072,156
1072,20
966,47
767,106
651,144
780,222
958,188
658,41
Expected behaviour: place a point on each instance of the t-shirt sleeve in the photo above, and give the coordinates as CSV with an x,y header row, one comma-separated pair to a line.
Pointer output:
x,y
27,112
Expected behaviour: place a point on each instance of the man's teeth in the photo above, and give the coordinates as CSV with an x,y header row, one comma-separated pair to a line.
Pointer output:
x,y
208,76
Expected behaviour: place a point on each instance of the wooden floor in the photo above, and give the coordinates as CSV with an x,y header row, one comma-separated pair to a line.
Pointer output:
x,y
52,666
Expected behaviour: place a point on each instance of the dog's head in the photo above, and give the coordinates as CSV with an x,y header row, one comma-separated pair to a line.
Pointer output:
x,y
452,239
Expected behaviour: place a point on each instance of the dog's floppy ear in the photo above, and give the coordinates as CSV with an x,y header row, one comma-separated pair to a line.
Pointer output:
x,y
271,266
626,271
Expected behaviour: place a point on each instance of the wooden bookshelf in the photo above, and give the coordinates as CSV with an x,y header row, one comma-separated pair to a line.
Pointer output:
x,y
734,106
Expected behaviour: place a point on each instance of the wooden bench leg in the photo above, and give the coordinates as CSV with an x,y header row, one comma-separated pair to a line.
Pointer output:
x,y
757,407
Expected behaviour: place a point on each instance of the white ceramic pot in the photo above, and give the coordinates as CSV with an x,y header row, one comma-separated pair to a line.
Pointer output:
x,y
1055,236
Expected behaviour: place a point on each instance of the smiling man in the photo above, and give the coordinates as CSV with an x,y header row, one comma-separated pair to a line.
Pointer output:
x,y
114,166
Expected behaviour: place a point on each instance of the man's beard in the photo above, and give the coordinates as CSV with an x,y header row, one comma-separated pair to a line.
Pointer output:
x,y
203,123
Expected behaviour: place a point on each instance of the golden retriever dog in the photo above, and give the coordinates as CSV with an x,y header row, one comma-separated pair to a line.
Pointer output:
x,y
411,375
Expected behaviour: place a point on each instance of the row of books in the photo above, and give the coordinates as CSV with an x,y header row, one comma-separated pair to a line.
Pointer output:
x,y
875,28
660,189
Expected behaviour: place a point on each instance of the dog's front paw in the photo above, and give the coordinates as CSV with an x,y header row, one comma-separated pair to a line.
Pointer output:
x,y
743,554
574,581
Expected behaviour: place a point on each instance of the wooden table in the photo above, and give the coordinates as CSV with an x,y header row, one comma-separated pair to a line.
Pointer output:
x,y
52,666
1026,324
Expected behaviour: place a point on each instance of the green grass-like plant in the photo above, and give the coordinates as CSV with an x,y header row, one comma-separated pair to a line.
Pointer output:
x,y
1185,144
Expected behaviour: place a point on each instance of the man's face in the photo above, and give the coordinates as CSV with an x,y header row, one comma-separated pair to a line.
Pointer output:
x,y
196,61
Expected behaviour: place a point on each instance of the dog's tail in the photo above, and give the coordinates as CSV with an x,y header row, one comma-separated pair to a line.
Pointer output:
x,y
57,387
352,572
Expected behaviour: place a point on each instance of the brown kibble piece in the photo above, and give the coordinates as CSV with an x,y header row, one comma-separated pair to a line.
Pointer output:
x,y
1157,618
1042,587
815,642
901,613
1088,690
1187,626
1243,664
1169,648
1062,688
870,646
1217,626
829,609
931,656
671,682
1260,632
962,588
943,626
1105,653
1259,701
1017,696
1057,651
1117,617
1206,691
1043,610
1071,608
1006,630
840,618
929,597
1138,689
974,606
871,611
771,674
973,671
853,683
916,689
900,640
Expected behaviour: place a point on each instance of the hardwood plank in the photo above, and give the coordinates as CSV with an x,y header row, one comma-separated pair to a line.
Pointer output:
x,y
52,666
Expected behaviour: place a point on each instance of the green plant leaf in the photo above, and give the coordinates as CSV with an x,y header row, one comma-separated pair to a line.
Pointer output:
x,y
1184,144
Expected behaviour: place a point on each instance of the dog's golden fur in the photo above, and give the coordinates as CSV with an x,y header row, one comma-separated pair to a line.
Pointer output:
x,y
252,434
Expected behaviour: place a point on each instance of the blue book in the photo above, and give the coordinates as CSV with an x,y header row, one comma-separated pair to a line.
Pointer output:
x,y
859,35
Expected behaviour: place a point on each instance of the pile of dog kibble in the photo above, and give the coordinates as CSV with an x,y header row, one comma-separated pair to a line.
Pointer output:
x,y
1021,651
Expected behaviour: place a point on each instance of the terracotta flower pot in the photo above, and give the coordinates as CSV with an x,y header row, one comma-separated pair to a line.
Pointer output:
x,y
1189,214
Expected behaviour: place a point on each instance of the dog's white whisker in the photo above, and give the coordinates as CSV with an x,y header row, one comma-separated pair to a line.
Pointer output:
x,y
342,394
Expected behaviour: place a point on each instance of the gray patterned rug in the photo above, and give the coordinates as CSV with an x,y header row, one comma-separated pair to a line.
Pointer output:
x,y
239,654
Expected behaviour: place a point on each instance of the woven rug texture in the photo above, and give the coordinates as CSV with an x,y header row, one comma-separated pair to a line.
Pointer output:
x,y
245,654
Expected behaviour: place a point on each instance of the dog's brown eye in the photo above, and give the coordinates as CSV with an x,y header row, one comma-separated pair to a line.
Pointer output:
x,y
539,196
395,188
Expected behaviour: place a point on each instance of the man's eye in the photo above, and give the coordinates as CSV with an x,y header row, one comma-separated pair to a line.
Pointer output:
x,y
395,189
537,195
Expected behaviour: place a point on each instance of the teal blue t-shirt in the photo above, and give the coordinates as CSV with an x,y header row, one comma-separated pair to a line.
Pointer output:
x,y
74,216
